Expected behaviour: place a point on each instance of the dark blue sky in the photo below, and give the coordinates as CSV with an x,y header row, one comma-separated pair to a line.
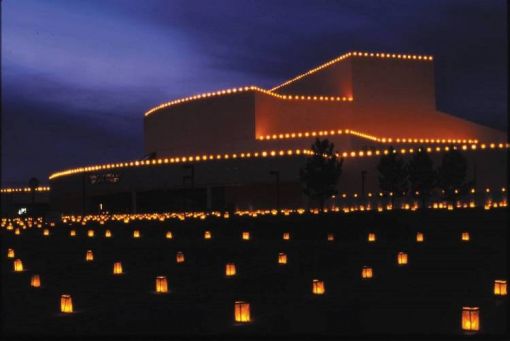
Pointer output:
x,y
77,76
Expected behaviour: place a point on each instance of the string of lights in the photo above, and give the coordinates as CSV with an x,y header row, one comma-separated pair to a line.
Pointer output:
x,y
307,134
249,89
24,189
355,54
272,153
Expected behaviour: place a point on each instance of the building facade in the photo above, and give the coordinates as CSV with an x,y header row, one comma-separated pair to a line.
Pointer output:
x,y
221,150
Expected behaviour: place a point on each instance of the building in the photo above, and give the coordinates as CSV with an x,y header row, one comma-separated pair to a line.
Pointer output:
x,y
24,201
224,150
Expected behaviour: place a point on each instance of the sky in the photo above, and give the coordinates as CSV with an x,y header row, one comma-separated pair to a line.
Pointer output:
x,y
77,75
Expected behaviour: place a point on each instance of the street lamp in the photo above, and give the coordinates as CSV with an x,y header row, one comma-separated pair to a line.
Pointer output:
x,y
363,181
277,175
83,193
190,177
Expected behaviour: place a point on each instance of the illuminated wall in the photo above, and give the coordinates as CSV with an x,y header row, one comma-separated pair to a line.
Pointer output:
x,y
274,116
210,125
335,80
243,182
234,139
382,95
392,97
393,83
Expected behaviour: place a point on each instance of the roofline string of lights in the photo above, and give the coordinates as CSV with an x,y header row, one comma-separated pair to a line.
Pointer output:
x,y
24,189
355,54
307,134
230,91
294,97
264,154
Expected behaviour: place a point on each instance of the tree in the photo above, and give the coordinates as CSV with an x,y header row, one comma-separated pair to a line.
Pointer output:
x,y
421,174
452,173
393,174
321,172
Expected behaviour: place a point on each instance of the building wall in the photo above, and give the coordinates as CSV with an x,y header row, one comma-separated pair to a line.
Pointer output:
x,y
276,116
406,85
213,125
396,98
12,202
342,143
373,81
242,183
393,98
335,80
390,122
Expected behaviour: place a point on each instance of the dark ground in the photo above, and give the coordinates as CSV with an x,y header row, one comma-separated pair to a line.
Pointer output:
x,y
424,297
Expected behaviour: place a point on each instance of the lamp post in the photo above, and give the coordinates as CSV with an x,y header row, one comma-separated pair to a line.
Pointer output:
x,y
363,180
133,200
277,176
474,181
83,196
190,177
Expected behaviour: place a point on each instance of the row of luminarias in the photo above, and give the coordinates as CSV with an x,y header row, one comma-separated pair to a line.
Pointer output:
x,y
24,222
356,54
245,235
201,215
242,89
127,218
102,219
305,134
272,153
24,189
469,319
7,223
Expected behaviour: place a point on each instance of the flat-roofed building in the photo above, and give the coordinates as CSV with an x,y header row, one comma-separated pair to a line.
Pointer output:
x,y
215,150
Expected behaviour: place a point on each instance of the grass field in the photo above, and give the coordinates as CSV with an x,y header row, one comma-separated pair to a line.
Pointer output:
x,y
425,296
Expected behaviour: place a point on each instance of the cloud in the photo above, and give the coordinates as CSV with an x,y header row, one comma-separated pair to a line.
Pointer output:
x,y
42,138
77,76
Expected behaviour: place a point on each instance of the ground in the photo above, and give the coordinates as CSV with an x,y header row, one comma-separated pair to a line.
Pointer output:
x,y
424,297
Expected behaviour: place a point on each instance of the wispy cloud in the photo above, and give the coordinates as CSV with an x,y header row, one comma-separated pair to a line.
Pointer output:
x,y
78,75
